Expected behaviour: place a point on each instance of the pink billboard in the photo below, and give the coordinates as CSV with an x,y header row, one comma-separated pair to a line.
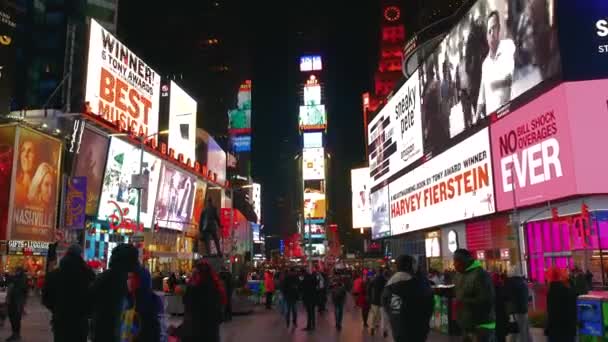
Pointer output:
x,y
544,150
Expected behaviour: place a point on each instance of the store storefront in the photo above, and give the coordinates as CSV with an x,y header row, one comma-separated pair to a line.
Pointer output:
x,y
30,255
493,242
168,251
99,243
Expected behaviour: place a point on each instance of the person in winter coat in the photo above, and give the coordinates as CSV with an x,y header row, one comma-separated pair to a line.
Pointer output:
x,y
290,287
16,297
360,294
561,308
309,297
338,298
517,293
147,307
269,288
500,307
203,303
408,301
66,294
375,289
110,291
322,291
474,295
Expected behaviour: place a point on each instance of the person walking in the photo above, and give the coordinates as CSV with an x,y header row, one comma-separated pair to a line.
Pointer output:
x,y
66,294
561,308
289,288
474,295
209,224
203,303
226,278
16,297
110,291
322,290
408,301
309,297
141,316
517,294
375,289
338,298
269,288
500,308
360,294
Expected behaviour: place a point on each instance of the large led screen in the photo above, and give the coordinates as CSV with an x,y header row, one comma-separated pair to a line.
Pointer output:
x,y
313,164
216,160
312,117
313,139
90,162
120,87
362,210
175,199
498,51
182,123
36,186
380,213
314,201
199,205
311,63
117,195
256,200
239,119
312,95
454,186
395,134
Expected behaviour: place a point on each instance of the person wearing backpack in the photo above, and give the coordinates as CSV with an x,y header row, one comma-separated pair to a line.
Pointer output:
x,y
408,301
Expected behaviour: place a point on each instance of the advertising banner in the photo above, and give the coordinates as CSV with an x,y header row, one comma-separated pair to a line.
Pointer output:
x,y
216,160
313,140
583,39
36,186
362,210
175,199
311,63
89,163
314,201
380,213
239,119
395,134
256,200
75,202
531,150
312,95
182,122
313,164
241,143
7,153
313,118
120,87
118,197
453,186
7,56
199,205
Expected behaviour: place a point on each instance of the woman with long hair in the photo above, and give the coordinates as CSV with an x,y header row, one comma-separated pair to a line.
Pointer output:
x,y
203,302
42,188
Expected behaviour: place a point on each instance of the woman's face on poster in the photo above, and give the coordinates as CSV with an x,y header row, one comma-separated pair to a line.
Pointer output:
x,y
46,189
26,156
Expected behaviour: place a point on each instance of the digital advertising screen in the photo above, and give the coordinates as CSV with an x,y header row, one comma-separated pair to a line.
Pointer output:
x,y
89,162
311,63
453,186
256,200
241,143
182,122
313,163
395,134
117,195
313,118
175,199
7,151
216,160
255,229
120,86
497,52
314,201
312,95
36,186
380,213
313,140
239,119
318,249
362,210
199,205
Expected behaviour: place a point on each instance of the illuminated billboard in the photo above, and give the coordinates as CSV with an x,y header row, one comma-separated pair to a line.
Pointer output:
x,y
313,117
182,122
241,143
313,140
380,213
313,164
256,200
314,204
120,87
117,194
311,63
216,159
312,95
239,119
362,210
175,199
89,163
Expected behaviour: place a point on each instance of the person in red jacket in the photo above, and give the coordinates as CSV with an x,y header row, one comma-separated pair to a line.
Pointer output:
x,y
360,294
269,286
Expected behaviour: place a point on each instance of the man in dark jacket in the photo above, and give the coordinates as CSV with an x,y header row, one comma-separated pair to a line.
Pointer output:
x,y
110,292
209,223
375,288
289,288
309,297
15,298
474,298
516,290
408,301
66,295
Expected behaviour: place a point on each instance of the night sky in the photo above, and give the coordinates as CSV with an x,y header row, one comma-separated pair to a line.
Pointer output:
x,y
274,36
